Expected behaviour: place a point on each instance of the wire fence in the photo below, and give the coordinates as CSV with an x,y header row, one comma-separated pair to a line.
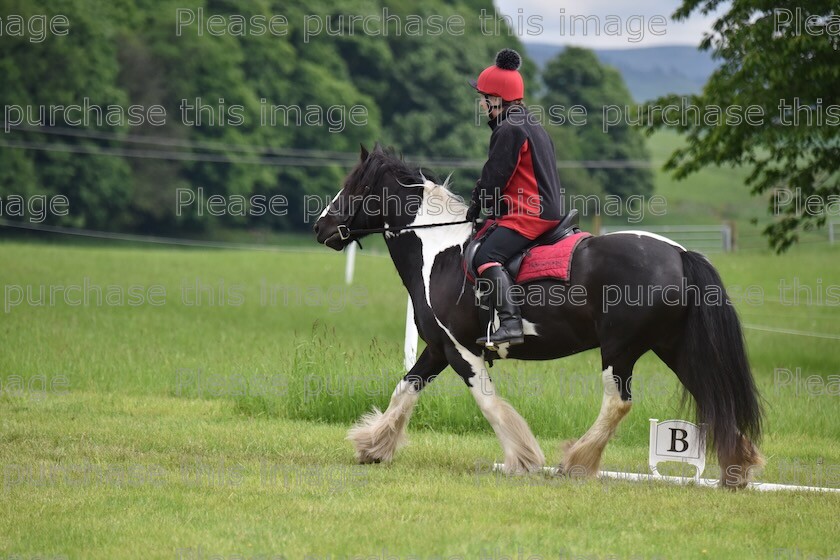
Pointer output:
x,y
410,335
702,238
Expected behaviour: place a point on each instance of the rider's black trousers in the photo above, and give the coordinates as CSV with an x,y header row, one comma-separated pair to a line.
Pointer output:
x,y
499,246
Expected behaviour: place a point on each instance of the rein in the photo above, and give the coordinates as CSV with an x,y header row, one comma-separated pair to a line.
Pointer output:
x,y
345,233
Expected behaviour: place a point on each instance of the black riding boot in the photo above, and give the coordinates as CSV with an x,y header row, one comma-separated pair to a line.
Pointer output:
x,y
510,321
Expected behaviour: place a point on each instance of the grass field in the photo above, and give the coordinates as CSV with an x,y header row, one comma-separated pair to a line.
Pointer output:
x,y
198,428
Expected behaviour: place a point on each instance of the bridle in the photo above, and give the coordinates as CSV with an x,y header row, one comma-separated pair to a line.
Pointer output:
x,y
344,228
345,233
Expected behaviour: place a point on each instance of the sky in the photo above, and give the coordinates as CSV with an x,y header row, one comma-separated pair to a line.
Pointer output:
x,y
618,24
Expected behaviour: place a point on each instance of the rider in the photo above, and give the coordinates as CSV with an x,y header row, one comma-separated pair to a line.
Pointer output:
x,y
519,185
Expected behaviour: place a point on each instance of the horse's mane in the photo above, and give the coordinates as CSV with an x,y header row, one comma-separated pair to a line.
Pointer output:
x,y
382,161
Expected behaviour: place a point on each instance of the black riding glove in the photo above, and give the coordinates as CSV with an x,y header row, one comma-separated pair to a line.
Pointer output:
x,y
474,212
475,206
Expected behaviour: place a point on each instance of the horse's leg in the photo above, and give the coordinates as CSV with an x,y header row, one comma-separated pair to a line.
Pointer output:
x,y
522,452
377,435
582,457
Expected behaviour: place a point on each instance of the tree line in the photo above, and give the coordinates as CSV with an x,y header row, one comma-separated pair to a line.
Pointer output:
x,y
137,100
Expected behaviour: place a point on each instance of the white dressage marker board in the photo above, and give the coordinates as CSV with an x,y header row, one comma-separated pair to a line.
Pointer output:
x,y
677,441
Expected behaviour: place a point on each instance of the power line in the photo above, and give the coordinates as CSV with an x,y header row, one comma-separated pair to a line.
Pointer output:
x,y
159,240
305,157
179,142
291,162
157,154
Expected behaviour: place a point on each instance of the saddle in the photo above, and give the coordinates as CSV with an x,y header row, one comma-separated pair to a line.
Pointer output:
x,y
567,227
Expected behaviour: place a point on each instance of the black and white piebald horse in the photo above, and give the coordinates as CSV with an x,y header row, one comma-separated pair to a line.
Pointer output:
x,y
685,319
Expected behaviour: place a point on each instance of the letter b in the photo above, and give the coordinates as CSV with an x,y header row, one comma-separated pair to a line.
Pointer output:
x,y
681,439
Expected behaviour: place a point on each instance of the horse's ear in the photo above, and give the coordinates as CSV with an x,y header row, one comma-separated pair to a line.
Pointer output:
x,y
363,154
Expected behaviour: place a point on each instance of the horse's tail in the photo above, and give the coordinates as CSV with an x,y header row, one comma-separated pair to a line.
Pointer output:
x,y
714,367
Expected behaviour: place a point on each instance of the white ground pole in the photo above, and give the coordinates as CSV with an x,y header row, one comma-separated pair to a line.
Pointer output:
x,y
682,480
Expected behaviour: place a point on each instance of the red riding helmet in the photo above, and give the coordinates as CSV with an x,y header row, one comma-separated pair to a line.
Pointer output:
x,y
503,78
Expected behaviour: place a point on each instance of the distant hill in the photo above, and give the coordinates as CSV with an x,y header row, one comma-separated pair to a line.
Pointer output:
x,y
649,72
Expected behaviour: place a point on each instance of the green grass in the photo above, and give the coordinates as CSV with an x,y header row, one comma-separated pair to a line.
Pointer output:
x,y
228,484
282,382
715,193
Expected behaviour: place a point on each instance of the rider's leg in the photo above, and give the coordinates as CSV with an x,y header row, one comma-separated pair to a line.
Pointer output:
x,y
501,244
510,320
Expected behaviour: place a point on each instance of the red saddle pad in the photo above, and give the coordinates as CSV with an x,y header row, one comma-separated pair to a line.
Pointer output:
x,y
550,261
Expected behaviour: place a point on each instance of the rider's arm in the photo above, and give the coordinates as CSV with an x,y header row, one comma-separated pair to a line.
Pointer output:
x,y
502,160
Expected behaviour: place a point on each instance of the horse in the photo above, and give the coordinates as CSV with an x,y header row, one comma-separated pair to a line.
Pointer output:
x,y
686,320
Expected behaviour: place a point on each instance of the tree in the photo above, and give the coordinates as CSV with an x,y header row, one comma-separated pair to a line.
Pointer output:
x,y
38,75
576,77
771,59
411,87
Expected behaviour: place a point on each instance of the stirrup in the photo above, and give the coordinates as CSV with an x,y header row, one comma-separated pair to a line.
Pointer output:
x,y
491,345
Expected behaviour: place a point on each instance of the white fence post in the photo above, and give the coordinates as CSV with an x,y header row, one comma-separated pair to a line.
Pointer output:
x,y
726,230
410,337
350,266
411,334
